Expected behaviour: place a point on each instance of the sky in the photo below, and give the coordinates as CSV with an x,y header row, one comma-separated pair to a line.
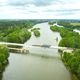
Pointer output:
x,y
39,9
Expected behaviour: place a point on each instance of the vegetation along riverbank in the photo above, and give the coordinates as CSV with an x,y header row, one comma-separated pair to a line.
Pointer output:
x,y
70,39
4,54
72,61
36,31
17,31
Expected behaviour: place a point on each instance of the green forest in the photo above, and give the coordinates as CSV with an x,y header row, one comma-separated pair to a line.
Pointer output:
x,y
69,37
72,61
17,31
4,54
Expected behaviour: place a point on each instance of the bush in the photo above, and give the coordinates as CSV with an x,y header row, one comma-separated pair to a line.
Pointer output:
x,y
37,33
78,71
73,62
35,29
54,28
4,54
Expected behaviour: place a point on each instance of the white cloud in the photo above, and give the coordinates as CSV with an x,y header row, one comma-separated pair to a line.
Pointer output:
x,y
33,9
3,2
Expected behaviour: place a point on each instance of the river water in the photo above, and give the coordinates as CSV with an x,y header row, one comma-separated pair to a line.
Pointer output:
x,y
76,30
40,63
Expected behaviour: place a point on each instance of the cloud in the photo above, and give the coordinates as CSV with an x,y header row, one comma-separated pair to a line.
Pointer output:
x,y
19,2
3,2
45,2
39,9
34,2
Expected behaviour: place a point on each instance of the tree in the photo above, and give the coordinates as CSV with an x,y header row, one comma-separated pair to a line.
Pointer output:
x,y
4,54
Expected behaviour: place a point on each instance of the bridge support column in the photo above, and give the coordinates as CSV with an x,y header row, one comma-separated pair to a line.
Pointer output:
x,y
23,50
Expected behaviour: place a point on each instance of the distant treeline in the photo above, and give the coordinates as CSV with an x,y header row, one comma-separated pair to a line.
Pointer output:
x,y
17,23
69,25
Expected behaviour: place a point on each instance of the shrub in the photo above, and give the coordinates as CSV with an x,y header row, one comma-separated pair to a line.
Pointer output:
x,y
4,54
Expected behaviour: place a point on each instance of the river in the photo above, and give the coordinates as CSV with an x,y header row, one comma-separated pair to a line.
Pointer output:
x,y
40,63
76,30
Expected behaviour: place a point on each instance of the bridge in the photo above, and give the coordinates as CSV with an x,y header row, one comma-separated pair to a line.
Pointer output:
x,y
24,48
14,44
51,47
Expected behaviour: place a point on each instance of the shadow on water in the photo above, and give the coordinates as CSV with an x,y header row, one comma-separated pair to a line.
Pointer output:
x,y
1,74
46,56
3,69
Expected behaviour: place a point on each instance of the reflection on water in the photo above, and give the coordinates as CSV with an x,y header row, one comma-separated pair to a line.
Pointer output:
x,y
41,63
3,69
76,30
44,52
1,74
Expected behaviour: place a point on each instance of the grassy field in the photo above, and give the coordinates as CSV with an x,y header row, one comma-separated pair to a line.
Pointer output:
x,y
76,24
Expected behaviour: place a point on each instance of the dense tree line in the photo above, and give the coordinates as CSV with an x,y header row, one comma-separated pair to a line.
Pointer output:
x,y
36,31
51,22
72,61
4,54
69,37
15,31
68,25
18,36
4,24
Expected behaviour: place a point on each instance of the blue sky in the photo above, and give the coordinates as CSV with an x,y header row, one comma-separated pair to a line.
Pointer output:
x,y
39,9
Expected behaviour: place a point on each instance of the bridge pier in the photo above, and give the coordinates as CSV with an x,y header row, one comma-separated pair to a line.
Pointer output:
x,y
19,50
23,50
62,51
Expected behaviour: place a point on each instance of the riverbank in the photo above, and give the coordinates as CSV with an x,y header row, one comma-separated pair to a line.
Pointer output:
x,y
16,31
69,38
72,61
36,32
4,54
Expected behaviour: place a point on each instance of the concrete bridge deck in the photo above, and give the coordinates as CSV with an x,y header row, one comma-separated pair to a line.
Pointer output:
x,y
25,48
43,46
14,44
